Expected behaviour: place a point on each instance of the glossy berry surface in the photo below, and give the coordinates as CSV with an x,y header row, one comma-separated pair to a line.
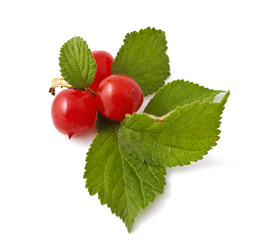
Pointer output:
x,y
104,62
118,95
73,111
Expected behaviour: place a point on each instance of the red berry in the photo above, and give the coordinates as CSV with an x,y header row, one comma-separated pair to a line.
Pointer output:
x,y
118,95
104,65
73,111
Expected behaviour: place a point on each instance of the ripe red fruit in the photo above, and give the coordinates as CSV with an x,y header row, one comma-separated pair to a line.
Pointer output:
x,y
73,111
104,65
118,95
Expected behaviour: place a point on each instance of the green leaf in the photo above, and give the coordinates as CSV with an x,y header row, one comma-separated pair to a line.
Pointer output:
x,y
176,94
122,182
143,57
183,135
78,66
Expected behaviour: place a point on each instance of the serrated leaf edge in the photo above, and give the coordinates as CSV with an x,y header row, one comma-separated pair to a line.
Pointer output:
x,y
161,119
175,82
103,202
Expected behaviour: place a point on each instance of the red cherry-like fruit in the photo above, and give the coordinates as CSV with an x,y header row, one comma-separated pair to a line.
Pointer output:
x,y
104,62
118,95
73,111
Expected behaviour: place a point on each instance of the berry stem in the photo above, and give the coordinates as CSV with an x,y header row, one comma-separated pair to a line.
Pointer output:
x,y
90,90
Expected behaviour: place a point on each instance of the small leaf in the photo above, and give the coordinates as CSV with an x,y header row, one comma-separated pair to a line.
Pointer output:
x,y
176,94
122,182
179,137
78,66
143,57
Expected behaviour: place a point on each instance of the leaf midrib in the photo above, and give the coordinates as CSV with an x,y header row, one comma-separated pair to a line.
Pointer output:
x,y
142,60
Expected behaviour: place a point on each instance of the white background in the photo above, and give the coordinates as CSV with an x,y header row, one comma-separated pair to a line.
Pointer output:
x,y
42,192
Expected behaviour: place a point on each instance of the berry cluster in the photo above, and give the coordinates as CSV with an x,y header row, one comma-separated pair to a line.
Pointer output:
x,y
74,110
